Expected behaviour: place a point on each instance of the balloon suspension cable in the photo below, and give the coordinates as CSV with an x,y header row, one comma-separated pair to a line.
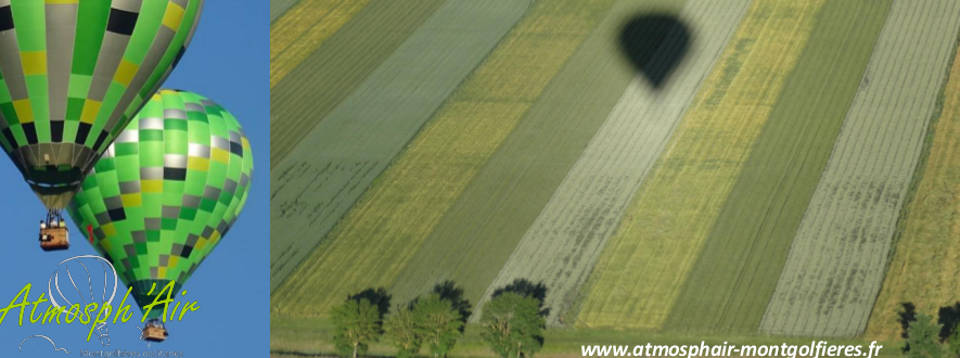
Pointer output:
x,y
54,218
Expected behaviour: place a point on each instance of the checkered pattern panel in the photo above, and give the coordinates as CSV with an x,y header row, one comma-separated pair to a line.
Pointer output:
x,y
167,190
73,73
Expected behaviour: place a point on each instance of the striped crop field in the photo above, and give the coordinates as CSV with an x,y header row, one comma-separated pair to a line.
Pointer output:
x,y
323,176
476,236
742,170
303,29
563,243
320,82
389,223
657,244
279,7
926,260
733,278
839,255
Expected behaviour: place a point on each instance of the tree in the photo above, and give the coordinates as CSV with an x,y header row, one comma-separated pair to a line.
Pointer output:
x,y
378,297
923,338
512,325
438,323
401,329
449,291
906,315
953,344
526,288
356,325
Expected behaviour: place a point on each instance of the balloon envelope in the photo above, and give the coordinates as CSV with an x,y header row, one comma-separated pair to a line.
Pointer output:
x,y
73,73
165,193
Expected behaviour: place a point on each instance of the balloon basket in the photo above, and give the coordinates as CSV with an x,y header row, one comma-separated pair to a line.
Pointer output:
x,y
55,238
154,332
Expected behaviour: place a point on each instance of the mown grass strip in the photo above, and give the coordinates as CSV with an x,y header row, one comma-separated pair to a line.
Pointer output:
x,y
564,242
479,232
732,281
328,171
638,275
837,262
303,29
390,221
311,90
926,258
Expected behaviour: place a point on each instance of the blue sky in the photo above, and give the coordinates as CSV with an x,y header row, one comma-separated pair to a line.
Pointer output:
x,y
227,61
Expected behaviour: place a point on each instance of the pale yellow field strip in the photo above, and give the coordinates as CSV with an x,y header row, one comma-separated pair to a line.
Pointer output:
x,y
926,262
386,226
640,272
303,28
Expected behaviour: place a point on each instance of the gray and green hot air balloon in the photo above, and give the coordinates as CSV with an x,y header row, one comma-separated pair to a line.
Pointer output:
x,y
72,74
165,192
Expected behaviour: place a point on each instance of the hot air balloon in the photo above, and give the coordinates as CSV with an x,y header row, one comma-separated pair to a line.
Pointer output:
x,y
165,193
72,74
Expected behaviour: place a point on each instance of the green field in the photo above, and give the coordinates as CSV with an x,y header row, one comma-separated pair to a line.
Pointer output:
x,y
310,91
926,260
307,337
563,243
848,227
737,270
319,181
784,181
390,222
479,232
279,7
303,28
656,244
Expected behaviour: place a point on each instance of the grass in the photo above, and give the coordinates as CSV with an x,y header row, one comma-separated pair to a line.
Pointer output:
x,y
279,7
735,275
313,86
839,255
303,28
924,265
311,337
637,278
322,178
391,220
563,243
476,236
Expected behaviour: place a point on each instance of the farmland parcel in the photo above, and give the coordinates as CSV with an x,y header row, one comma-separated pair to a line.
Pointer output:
x,y
322,178
926,263
733,279
479,232
562,245
664,228
303,29
397,213
839,256
310,91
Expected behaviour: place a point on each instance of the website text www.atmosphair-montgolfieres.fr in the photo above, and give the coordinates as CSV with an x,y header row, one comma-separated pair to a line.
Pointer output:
x,y
815,349
95,314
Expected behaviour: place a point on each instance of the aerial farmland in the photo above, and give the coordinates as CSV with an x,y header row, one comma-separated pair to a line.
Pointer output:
x,y
665,171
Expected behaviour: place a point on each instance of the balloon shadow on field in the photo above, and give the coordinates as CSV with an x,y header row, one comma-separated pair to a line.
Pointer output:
x,y
655,44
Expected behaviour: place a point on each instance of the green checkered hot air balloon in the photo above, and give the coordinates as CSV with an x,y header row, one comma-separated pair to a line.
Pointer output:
x,y
73,73
167,190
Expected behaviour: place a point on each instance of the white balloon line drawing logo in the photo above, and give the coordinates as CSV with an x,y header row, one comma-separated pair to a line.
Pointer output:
x,y
54,285
40,336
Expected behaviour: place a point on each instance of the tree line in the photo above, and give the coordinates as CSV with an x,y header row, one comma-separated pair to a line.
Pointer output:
x,y
925,338
512,323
